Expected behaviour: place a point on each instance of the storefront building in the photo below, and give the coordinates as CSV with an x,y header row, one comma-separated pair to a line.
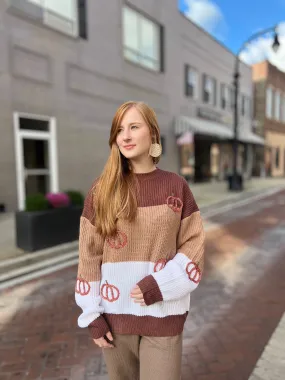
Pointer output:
x,y
269,84
205,137
63,74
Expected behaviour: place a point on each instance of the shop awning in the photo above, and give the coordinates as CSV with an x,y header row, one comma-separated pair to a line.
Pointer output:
x,y
251,138
201,126
211,128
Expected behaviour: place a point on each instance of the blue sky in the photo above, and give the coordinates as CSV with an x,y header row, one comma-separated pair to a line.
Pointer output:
x,y
232,22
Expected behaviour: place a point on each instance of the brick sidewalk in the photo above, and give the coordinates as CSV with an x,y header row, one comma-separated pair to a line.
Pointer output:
x,y
233,314
271,365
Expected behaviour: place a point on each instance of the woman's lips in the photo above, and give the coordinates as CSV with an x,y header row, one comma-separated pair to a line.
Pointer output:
x,y
129,147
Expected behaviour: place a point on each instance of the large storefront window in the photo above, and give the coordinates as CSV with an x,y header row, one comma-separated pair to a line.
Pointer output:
x,y
187,155
215,160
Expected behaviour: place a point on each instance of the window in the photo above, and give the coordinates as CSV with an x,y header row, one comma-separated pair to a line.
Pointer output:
x,y
283,108
191,82
277,101
82,19
277,153
242,108
245,105
269,102
248,110
67,16
225,96
142,40
34,124
64,8
232,98
209,90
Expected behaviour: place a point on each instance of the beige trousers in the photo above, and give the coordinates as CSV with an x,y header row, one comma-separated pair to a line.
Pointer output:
x,y
144,358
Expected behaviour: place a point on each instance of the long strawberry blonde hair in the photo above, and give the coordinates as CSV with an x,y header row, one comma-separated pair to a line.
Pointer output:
x,y
115,193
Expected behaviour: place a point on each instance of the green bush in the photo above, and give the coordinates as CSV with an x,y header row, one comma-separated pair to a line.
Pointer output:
x,y
36,202
76,197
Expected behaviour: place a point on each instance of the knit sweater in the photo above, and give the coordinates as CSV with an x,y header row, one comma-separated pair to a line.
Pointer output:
x,y
162,251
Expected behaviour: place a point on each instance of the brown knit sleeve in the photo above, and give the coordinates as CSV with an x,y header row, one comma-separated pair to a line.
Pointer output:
x,y
150,290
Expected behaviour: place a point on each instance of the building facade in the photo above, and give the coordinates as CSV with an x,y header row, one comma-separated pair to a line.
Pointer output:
x,y
65,67
269,112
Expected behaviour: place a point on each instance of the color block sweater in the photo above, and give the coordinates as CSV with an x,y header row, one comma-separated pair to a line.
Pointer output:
x,y
162,251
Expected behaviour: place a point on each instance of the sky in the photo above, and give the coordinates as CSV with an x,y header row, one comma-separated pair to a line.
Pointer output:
x,y
233,22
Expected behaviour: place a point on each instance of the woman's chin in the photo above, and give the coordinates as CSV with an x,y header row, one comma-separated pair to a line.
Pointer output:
x,y
131,155
135,156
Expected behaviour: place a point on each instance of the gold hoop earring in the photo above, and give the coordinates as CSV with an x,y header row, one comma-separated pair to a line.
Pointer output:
x,y
155,150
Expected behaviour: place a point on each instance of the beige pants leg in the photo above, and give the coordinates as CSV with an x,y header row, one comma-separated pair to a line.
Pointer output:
x,y
160,358
144,358
122,361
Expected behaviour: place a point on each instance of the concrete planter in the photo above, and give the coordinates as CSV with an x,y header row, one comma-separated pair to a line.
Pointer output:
x,y
42,229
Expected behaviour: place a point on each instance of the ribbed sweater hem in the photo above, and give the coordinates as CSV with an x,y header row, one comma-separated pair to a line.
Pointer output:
x,y
147,325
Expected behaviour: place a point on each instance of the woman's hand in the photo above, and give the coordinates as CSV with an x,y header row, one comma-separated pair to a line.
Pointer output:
x,y
102,342
137,295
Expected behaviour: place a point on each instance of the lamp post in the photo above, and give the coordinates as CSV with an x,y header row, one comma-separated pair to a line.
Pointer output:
x,y
236,183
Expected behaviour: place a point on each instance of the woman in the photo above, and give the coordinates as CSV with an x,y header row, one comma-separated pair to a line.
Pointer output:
x,y
141,252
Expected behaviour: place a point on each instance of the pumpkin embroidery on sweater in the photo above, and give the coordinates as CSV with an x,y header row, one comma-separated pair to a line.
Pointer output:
x,y
118,241
82,286
194,272
160,264
110,292
174,203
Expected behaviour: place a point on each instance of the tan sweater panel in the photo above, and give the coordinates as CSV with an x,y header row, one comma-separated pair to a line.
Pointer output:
x,y
191,238
91,246
148,238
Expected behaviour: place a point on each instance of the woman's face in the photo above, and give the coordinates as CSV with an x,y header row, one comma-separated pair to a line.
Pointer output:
x,y
133,138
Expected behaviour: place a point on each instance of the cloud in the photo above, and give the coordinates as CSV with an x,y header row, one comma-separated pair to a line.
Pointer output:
x,y
261,49
207,15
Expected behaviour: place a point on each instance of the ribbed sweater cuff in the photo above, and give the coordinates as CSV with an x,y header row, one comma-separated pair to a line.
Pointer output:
x,y
98,328
150,290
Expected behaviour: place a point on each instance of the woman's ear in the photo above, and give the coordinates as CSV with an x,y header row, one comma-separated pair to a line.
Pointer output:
x,y
153,139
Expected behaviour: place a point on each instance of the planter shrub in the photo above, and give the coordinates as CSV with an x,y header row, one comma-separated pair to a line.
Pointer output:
x,y
36,202
76,198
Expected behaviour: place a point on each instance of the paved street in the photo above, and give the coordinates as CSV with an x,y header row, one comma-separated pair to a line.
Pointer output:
x,y
234,311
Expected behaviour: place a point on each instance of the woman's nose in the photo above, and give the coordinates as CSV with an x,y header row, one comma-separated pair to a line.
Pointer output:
x,y
126,136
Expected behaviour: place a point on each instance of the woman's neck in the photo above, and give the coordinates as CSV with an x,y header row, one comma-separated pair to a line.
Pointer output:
x,y
144,167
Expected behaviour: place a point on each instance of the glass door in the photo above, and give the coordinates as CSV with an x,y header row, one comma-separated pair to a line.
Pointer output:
x,y
36,166
36,155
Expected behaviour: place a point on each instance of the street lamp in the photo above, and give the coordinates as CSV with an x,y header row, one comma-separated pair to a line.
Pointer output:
x,y
276,43
236,182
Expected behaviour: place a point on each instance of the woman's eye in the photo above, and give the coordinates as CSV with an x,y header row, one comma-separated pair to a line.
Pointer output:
x,y
134,126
